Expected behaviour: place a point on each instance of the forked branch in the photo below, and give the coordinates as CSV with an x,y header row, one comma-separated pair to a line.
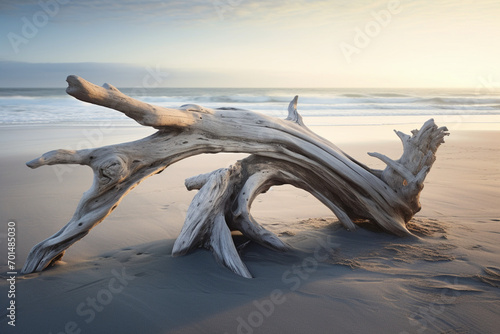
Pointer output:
x,y
283,152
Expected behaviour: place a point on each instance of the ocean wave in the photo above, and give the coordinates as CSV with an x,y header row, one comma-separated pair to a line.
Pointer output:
x,y
324,100
49,105
461,100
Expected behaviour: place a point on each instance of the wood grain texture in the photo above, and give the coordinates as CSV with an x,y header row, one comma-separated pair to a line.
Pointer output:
x,y
282,152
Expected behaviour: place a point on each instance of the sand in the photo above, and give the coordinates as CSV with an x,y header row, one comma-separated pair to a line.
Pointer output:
x,y
121,277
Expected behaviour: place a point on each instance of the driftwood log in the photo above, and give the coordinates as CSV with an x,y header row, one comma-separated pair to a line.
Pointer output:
x,y
282,152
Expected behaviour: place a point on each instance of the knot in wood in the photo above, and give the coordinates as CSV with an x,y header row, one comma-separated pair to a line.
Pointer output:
x,y
113,170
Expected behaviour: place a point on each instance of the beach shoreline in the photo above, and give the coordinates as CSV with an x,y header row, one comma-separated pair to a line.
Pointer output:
x,y
367,281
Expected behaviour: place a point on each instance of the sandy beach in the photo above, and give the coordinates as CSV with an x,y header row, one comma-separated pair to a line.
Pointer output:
x,y
215,76
121,278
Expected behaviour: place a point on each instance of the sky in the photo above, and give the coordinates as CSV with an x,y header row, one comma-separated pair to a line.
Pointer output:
x,y
250,43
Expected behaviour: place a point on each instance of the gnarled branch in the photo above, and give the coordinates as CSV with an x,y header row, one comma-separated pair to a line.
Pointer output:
x,y
283,152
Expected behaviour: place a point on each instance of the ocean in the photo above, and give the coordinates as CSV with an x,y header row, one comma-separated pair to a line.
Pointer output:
x,y
322,106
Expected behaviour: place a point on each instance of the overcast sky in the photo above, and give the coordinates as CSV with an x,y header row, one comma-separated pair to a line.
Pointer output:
x,y
252,43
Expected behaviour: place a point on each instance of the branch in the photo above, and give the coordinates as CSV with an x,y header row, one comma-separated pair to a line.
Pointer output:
x,y
400,169
60,157
284,151
293,114
143,113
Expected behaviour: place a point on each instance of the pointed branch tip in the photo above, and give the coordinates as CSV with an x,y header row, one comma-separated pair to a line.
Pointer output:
x,y
293,114
399,168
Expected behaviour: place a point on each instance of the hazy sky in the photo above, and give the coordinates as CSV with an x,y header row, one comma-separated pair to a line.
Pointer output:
x,y
227,43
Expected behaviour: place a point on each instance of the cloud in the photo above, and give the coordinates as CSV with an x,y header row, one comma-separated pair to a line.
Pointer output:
x,y
179,12
145,12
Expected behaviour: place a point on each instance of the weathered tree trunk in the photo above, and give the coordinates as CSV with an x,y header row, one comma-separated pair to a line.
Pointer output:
x,y
283,152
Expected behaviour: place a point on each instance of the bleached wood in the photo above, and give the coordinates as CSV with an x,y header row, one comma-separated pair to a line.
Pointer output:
x,y
284,152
